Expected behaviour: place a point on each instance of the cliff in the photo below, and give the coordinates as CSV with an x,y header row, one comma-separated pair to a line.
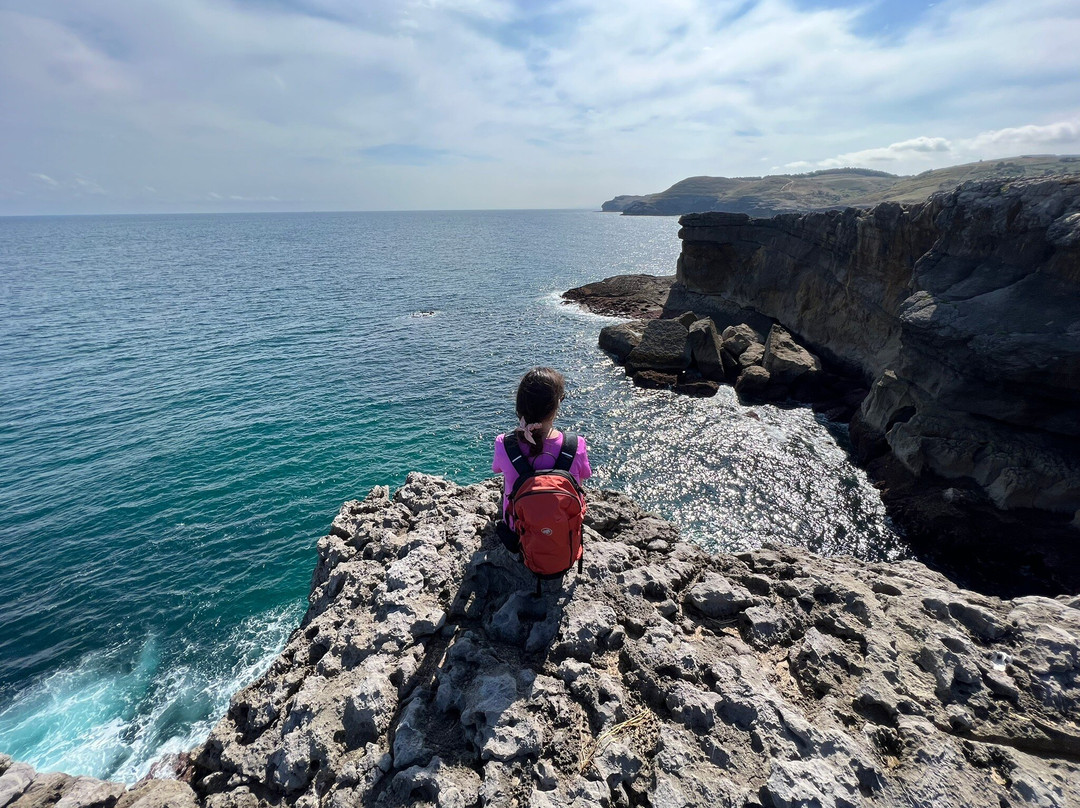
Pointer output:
x,y
963,313
830,188
425,672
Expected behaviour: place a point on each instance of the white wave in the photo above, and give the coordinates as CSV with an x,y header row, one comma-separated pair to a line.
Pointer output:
x,y
118,710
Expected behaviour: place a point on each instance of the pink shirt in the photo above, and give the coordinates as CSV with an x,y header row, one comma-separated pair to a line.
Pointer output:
x,y
500,464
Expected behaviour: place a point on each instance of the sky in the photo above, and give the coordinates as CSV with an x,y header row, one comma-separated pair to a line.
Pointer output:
x,y
148,106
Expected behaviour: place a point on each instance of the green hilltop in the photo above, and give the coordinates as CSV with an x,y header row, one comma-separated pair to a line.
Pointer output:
x,y
830,188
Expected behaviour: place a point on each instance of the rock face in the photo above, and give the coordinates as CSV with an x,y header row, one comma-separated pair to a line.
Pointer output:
x,y
23,787
963,312
426,673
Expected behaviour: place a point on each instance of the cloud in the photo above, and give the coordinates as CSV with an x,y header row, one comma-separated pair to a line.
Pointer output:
x,y
45,178
905,150
336,104
924,152
1055,134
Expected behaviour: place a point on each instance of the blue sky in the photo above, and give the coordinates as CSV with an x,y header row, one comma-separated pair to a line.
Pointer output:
x,y
208,105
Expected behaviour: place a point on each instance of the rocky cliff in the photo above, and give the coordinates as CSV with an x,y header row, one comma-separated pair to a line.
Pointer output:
x,y
426,672
963,312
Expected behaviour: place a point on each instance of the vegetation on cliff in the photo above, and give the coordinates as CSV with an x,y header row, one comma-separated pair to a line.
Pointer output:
x,y
830,188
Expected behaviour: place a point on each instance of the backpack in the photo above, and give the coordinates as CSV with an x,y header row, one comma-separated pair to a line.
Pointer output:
x,y
548,507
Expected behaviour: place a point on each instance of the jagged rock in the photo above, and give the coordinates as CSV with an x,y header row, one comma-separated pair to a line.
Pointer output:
x,y
159,794
664,346
737,338
773,675
786,360
620,339
754,383
966,299
752,355
706,351
87,792
641,296
14,781
660,675
701,388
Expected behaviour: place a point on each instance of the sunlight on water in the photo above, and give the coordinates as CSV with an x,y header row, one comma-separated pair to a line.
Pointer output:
x,y
185,401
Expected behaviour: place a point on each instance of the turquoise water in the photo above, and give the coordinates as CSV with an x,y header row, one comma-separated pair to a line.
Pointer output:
x,y
186,400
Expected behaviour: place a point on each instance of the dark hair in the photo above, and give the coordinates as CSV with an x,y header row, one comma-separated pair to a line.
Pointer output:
x,y
539,394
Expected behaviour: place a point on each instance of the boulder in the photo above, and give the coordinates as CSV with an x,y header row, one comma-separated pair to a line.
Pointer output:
x,y
754,383
663,675
752,355
706,350
664,346
687,318
655,380
698,387
737,338
786,360
621,338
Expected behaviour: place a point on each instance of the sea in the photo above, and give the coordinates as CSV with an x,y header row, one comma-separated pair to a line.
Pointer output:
x,y
186,401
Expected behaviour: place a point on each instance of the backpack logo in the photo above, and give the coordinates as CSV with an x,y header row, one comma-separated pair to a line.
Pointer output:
x,y
546,531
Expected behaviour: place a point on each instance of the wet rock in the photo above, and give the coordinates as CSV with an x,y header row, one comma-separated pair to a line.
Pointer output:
x,y
707,352
655,380
754,383
621,338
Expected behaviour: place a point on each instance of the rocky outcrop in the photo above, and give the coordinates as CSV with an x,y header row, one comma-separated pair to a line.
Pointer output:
x,y
964,314
426,672
639,296
21,786
689,355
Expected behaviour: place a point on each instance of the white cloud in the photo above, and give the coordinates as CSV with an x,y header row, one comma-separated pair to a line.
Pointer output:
x,y
1062,133
563,103
45,178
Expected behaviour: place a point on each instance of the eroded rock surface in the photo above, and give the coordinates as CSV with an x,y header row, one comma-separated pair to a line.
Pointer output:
x,y
21,786
426,673
964,311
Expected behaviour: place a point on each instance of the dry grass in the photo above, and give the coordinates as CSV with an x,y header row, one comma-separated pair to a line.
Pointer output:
x,y
638,724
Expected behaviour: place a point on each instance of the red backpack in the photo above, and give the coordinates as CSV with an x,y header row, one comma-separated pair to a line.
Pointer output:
x,y
548,508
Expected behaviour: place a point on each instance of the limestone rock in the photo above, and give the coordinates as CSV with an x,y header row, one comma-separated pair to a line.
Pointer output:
x,y
737,338
664,346
786,360
655,380
719,679
621,338
706,350
754,383
660,675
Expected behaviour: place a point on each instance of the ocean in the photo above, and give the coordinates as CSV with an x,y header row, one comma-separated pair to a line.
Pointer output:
x,y
185,401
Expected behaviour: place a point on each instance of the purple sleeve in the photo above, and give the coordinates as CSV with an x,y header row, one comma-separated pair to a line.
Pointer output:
x,y
580,468
500,461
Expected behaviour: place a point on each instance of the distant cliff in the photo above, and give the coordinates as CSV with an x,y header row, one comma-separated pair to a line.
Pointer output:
x,y
830,188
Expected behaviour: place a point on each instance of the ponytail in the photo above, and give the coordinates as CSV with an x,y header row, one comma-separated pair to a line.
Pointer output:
x,y
538,397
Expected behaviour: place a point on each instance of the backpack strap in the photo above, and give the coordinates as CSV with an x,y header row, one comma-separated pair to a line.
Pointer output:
x,y
517,458
568,451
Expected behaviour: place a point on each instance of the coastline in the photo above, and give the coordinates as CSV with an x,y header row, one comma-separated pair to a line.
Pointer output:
x,y
426,672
